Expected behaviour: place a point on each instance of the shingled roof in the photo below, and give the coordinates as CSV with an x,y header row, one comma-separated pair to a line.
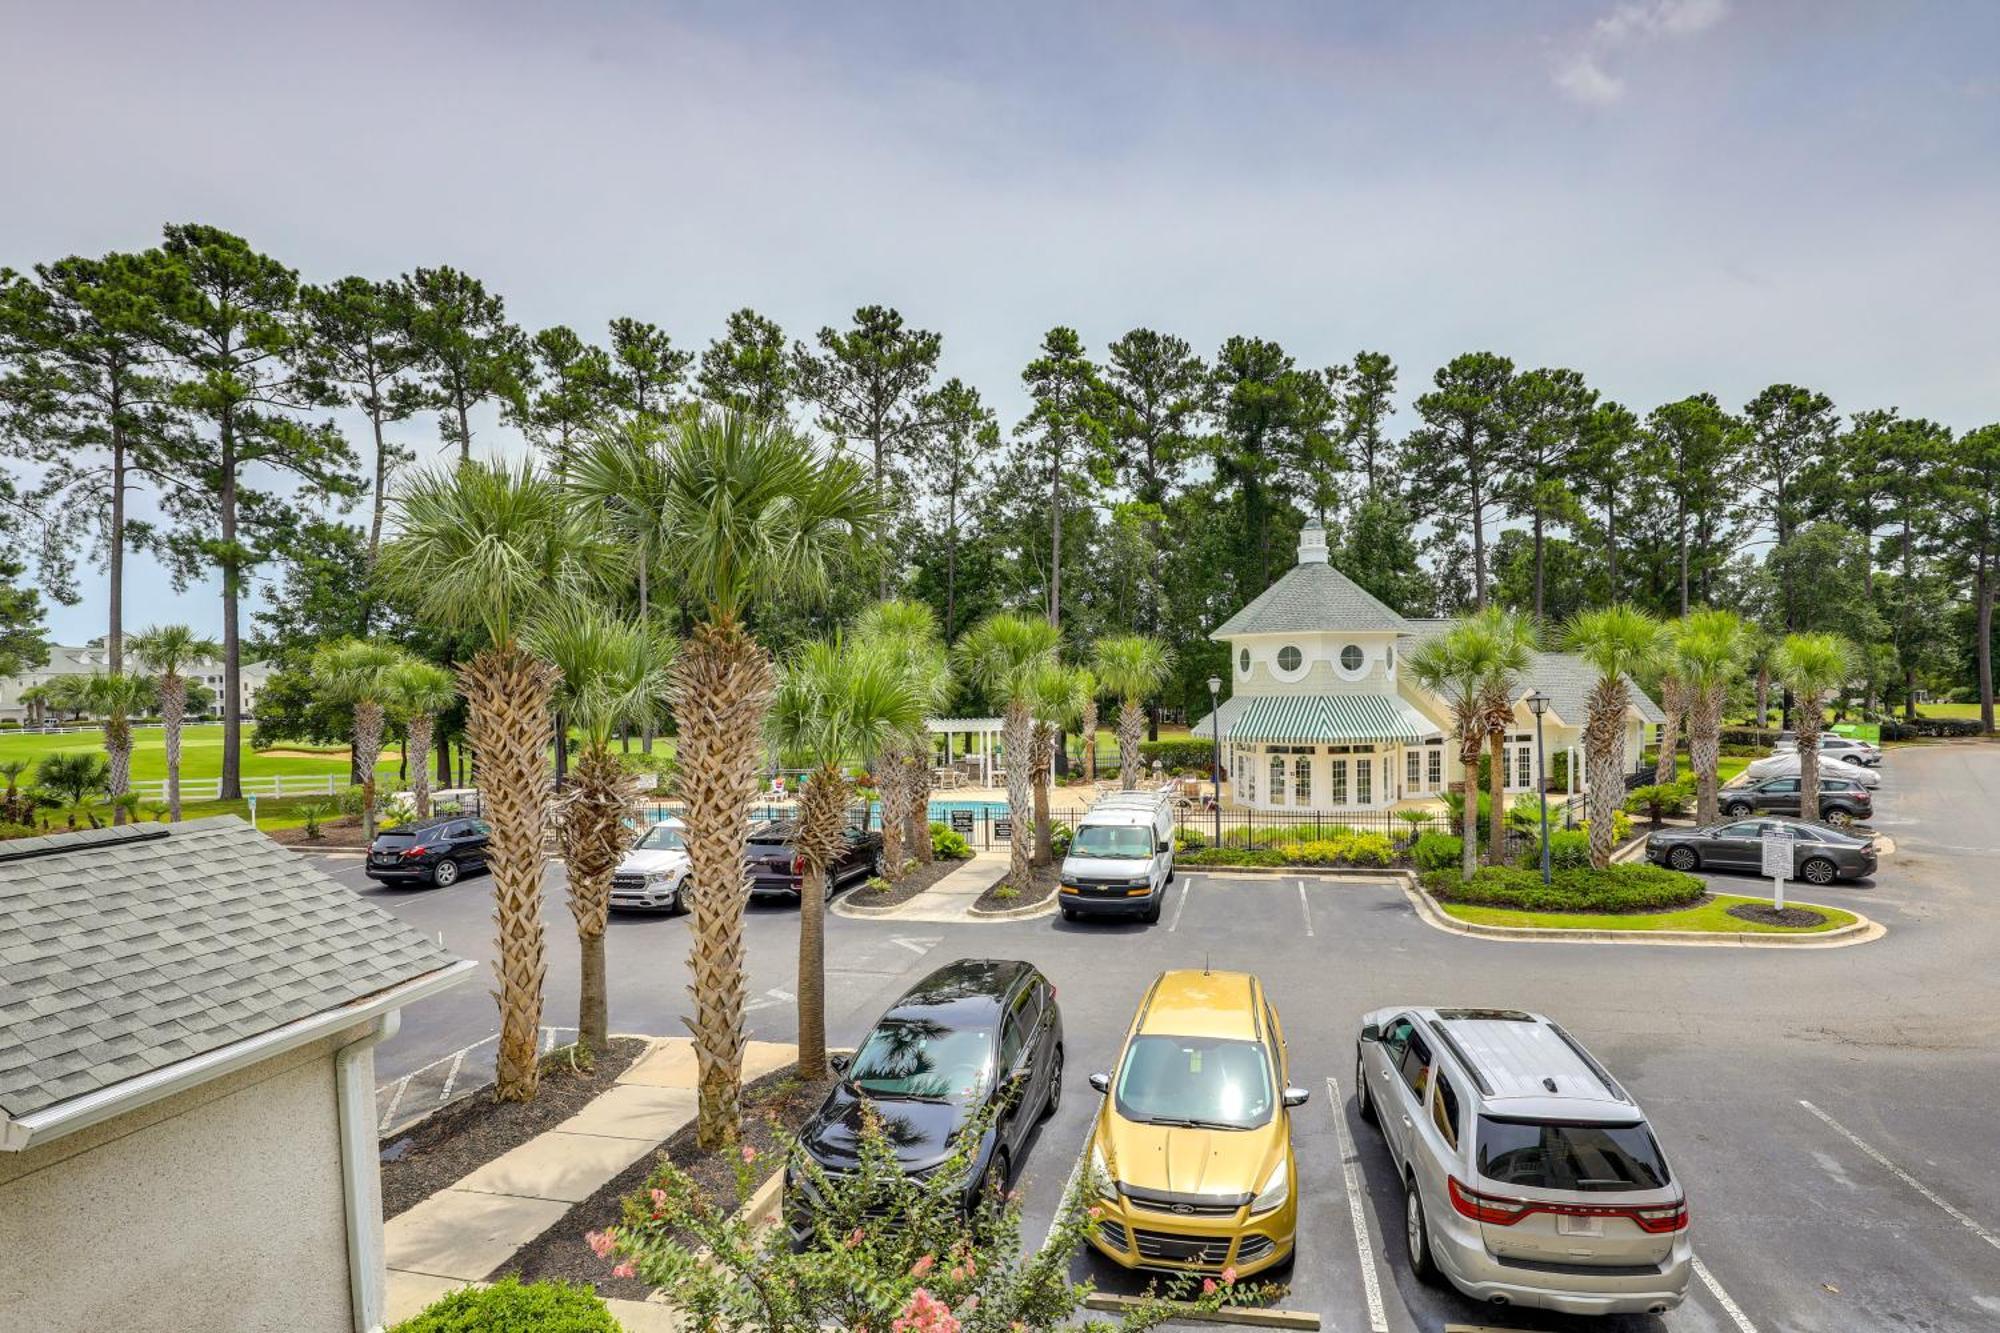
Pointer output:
x,y
1313,599
1566,678
125,950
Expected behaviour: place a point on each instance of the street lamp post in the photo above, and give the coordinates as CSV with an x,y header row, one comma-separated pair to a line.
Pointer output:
x,y
1538,703
1215,765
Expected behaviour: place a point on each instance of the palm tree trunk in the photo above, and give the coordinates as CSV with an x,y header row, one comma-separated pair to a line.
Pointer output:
x,y
1471,738
1811,718
1044,749
417,762
173,709
1130,719
892,780
507,694
820,808
591,823
1090,740
1604,764
1017,735
1496,796
368,721
918,815
1673,702
1705,747
722,688
118,751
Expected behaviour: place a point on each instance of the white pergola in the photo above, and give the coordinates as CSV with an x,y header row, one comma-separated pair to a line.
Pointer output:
x,y
984,731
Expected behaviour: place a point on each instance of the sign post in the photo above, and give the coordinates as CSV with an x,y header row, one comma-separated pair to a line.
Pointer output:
x,y
252,799
1777,848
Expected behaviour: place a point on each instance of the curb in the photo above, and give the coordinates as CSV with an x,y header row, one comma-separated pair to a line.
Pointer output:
x,y
1862,931
1249,1315
762,1207
1046,907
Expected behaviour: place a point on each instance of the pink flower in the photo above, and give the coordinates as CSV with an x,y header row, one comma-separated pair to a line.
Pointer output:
x,y
749,1153
854,1238
625,1270
659,1198
925,1313
1229,1275
1208,1286
958,1273
601,1242
1095,1212
923,1265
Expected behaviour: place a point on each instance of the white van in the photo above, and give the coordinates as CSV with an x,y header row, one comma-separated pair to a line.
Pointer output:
x,y
1121,858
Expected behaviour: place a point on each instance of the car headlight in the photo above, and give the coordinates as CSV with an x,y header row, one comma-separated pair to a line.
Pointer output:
x,y
1107,1187
1276,1191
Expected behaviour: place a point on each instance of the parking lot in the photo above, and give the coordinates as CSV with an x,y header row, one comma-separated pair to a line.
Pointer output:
x,y
1829,1110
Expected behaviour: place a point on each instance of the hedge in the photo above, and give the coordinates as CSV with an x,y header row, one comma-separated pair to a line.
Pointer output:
x,y
1343,849
1569,849
1179,756
1930,727
1618,888
1438,851
509,1306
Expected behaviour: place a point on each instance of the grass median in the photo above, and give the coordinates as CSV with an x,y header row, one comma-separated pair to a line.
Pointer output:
x,y
1711,915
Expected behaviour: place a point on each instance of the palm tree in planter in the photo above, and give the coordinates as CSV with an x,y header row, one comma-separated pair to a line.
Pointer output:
x,y
907,633
166,651
1057,697
1001,657
752,510
1617,642
421,690
835,701
116,699
1513,638
1710,650
487,547
613,676
1131,668
363,675
1455,666
1812,667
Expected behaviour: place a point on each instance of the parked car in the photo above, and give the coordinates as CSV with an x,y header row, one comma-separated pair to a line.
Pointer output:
x,y
978,1040
654,872
1842,801
1529,1175
1786,765
1820,855
1192,1147
1844,747
776,869
435,852
1121,858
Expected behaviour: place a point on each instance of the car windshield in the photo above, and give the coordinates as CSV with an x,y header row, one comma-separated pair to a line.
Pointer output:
x,y
917,1057
661,838
1116,842
1205,1082
1570,1155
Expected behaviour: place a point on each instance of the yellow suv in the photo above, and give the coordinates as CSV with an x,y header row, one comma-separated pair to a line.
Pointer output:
x,y
1192,1150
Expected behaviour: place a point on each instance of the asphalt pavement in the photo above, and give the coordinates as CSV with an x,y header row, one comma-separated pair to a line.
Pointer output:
x,y
1829,1110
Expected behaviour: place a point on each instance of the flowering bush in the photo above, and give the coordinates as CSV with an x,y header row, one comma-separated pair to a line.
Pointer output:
x,y
548,1307
875,1249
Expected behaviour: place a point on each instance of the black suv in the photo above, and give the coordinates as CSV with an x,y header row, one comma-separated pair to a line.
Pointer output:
x,y
778,871
436,851
1842,801
977,1041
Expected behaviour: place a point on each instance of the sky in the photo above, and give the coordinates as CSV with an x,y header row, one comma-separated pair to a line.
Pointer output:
x,y
1672,196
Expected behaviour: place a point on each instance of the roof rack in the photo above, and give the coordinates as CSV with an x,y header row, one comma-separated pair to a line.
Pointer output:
x,y
1590,1061
1458,1053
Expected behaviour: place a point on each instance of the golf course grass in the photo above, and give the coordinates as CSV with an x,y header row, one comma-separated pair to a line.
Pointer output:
x,y
1712,915
201,754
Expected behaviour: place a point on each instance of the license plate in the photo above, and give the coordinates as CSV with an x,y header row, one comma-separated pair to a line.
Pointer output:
x,y
1579,1226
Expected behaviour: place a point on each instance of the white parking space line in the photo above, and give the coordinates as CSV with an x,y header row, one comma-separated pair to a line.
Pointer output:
x,y
451,1076
1729,1307
1306,908
1378,1320
1069,1188
1899,1173
388,1116
1180,905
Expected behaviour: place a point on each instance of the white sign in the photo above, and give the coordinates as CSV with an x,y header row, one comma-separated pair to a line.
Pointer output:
x,y
1777,848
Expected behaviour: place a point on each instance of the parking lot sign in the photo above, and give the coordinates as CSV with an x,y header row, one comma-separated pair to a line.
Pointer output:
x,y
1777,849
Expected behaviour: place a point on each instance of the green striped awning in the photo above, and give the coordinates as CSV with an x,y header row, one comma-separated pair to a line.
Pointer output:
x,y
1330,718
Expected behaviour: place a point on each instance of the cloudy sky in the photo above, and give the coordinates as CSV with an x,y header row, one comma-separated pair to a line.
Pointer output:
x,y
1670,195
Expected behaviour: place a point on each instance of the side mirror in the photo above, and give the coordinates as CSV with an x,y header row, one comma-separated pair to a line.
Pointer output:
x,y
1371,1032
1297,1096
840,1064
1163,846
1102,1082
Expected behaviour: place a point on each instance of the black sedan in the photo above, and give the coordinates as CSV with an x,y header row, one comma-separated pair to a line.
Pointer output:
x,y
435,852
1820,855
977,1041
778,871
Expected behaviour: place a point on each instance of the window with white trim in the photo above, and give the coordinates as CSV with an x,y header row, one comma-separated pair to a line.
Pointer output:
x,y
1435,766
1337,788
1302,781
1413,770
1364,773
1277,779
1352,658
1290,658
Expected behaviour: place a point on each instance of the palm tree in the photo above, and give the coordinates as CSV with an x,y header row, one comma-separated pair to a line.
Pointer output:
x,y
1455,666
1710,649
14,810
70,779
834,702
165,651
1057,697
1617,642
907,633
1132,668
363,675
1674,702
613,676
1812,667
1514,652
484,547
115,699
1001,657
752,509
421,691
36,700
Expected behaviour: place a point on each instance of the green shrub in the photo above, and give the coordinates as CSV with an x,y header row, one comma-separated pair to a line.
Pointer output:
x,y
510,1306
313,814
1189,840
1060,835
1618,888
1569,849
1179,756
351,801
1235,856
947,845
1659,800
17,831
1438,851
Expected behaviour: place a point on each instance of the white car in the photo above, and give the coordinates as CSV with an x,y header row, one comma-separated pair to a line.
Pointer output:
x,y
653,873
1786,765
1845,747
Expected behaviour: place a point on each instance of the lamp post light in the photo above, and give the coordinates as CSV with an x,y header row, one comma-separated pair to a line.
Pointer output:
x,y
1215,765
1538,704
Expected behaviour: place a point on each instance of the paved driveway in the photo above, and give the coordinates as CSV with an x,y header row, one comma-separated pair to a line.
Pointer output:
x,y
1831,1111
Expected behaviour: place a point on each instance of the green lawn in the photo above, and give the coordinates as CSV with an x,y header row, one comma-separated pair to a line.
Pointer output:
x,y
1712,915
201,754
1726,767
1970,712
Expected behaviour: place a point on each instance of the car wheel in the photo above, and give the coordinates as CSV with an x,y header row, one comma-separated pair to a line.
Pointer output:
x,y
1363,1103
1839,818
1818,870
1055,1087
444,874
1152,913
1683,858
1417,1230
1736,808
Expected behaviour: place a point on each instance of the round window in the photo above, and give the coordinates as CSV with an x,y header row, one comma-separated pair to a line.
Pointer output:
x,y
1289,658
1243,661
1351,657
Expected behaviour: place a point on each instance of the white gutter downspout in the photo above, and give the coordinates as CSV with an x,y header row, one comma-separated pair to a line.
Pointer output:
x,y
360,1177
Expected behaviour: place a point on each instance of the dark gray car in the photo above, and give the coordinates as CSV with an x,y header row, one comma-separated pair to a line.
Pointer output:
x,y
1820,855
1842,801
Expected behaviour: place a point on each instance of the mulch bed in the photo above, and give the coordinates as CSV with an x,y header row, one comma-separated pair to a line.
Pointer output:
x,y
904,889
773,1109
1040,891
1771,916
341,832
442,1148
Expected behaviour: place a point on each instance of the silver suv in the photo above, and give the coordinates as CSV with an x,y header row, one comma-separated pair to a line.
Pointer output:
x,y
1529,1176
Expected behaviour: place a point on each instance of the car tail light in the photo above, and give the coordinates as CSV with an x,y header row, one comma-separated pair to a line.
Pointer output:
x,y
799,866
417,850
1501,1210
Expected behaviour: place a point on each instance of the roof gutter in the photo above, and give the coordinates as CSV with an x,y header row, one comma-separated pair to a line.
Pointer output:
x,y
66,1117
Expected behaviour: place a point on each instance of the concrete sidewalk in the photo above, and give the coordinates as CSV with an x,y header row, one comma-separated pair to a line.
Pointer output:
x,y
465,1231
946,900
